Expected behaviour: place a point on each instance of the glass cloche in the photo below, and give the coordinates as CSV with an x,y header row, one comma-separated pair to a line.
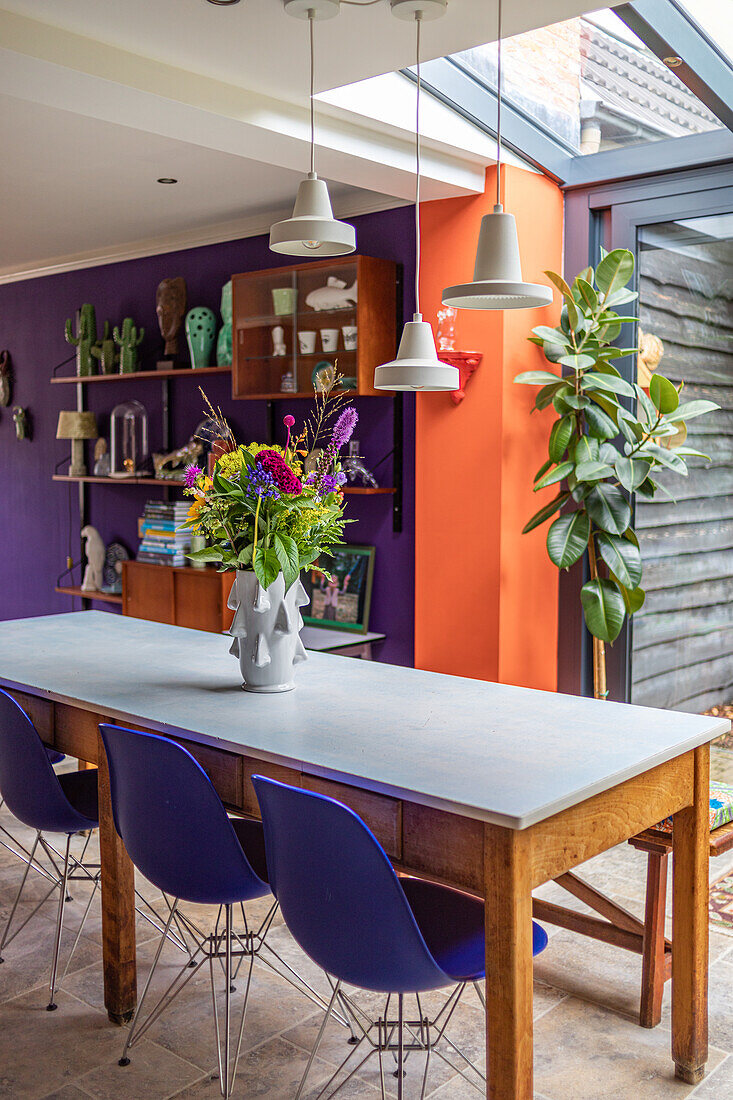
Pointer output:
x,y
129,439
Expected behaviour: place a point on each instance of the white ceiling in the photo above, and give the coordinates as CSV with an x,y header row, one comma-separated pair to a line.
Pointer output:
x,y
100,97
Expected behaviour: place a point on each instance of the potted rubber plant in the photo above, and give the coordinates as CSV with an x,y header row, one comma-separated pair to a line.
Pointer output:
x,y
609,440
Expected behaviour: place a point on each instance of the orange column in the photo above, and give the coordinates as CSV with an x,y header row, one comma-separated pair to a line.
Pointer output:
x,y
486,595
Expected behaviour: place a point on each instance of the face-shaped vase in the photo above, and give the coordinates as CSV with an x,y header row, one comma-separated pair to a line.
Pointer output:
x,y
170,305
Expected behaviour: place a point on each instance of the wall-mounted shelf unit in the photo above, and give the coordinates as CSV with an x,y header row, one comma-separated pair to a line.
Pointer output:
x,y
74,590
257,372
136,376
358,490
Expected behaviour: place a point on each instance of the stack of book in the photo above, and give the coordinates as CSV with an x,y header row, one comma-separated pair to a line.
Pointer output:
x,y
162,542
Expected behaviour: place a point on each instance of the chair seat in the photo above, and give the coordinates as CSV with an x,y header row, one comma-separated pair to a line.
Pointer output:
x,y
54,756
251,836
721,807
452,925
81,790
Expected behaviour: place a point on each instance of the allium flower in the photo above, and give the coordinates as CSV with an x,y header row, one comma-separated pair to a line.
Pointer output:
x,y
261,483
282,475
190,476
343,429
288,421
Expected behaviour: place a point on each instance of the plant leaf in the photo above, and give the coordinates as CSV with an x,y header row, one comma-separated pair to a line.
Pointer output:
x,y
608,507
631,472
633,599
576,362
622,558
597,380
663,394
536,378
555,475
567,539
560,436
600,425
545,513
604,609
287,555
209,553
244,557
551,335
587,449
614,271
592,471
587,293
690,409
670,459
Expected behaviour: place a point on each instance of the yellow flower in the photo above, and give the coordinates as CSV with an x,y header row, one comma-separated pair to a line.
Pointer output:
x,y
194,512
229,465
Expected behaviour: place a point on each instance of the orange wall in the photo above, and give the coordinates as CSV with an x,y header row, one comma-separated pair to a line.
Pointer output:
x,y
486,595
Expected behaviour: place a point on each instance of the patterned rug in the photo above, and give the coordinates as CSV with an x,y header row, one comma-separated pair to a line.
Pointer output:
x,y
721,904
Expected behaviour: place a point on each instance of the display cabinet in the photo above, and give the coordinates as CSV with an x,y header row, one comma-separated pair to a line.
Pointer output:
x,y
292,322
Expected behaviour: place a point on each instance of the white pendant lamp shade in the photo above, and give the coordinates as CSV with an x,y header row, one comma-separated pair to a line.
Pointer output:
x,y
312,230
417,366
497,277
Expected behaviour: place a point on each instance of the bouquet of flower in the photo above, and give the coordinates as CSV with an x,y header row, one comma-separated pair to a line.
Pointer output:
x,y
260,510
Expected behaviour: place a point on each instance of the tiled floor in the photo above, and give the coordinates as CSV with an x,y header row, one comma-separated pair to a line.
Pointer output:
x,y
587,1044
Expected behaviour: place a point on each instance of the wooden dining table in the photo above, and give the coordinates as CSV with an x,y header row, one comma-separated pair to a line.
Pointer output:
x,y
486,787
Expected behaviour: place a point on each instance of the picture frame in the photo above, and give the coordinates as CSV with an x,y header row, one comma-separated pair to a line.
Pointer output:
x,y
345,602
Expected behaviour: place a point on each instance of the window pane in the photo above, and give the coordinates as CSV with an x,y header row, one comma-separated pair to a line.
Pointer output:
x,y
716,19
592,83
682,651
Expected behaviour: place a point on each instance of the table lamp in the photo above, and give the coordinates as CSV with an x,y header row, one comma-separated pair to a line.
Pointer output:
x,y
77,426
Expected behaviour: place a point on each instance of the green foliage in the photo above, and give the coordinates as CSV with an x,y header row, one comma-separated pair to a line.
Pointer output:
x,y
607,442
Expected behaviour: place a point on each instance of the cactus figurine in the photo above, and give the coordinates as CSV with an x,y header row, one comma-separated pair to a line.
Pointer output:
x,y
128,342
85,339
200,334
106,352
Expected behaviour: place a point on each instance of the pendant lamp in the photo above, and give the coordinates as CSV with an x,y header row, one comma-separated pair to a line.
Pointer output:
x,y
312,230
497,277
417,366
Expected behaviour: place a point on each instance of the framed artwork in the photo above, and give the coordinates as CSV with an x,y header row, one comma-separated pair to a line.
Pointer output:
x,y
342,603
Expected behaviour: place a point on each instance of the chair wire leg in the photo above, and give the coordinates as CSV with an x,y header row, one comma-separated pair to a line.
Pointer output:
x,y
400,1046
225,1084
6,931
52,1006
124,1060
318,1041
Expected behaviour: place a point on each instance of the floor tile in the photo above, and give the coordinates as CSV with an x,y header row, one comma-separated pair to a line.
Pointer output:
x,y
152,1072
718,1085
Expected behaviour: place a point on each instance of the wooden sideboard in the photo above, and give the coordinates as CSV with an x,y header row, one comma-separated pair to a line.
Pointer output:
x,y
183,596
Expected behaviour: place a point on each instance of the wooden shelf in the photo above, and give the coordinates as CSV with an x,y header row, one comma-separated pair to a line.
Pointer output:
x,y
184,372
356,490
104,597
169,483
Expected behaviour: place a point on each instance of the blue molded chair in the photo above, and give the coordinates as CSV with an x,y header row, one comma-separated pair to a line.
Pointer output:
x,y
45,802
178,834
365,926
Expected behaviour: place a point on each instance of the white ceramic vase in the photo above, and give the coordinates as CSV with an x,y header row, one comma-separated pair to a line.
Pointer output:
x,y
266,631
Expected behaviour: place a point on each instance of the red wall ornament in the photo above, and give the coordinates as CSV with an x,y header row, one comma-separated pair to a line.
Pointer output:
x,y
467,362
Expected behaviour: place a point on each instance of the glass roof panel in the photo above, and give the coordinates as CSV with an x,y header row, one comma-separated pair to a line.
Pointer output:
x,y
592,83
715,17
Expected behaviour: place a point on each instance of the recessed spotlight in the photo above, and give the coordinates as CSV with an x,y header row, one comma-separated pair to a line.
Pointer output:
x,y
673,62
166,179
223,3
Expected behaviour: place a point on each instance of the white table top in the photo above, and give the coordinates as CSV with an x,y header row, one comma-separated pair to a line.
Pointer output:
x,y
489,751
323,638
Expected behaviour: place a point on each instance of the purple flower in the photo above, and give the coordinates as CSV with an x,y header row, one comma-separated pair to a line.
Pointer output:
x,y
343,429
327,484
190,475
261,483
341,478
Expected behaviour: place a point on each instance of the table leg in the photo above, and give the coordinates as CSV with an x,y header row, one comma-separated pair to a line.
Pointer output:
x,y
690,929
653,960
508,964
118,909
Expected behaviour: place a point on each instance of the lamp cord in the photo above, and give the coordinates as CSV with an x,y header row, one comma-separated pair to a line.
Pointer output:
x,y
311,21
498,106
418,20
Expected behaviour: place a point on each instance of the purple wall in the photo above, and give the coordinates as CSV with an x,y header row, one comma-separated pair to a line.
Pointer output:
x,y
39,519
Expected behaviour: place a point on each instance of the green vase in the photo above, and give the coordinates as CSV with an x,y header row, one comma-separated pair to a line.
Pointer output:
x,y
224,340
200,334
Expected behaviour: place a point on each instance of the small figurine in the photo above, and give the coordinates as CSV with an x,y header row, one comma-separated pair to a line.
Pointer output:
x,y
334,295
6,378
95,554
128,342
278,341
22,424
106,352
112,573
170,305
353,466
447,316
224,339
651,350
101,458
200,333
173,464
84,340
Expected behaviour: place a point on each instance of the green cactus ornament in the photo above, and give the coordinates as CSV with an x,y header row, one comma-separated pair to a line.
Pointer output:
x,y
106,352
128,342
84,340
